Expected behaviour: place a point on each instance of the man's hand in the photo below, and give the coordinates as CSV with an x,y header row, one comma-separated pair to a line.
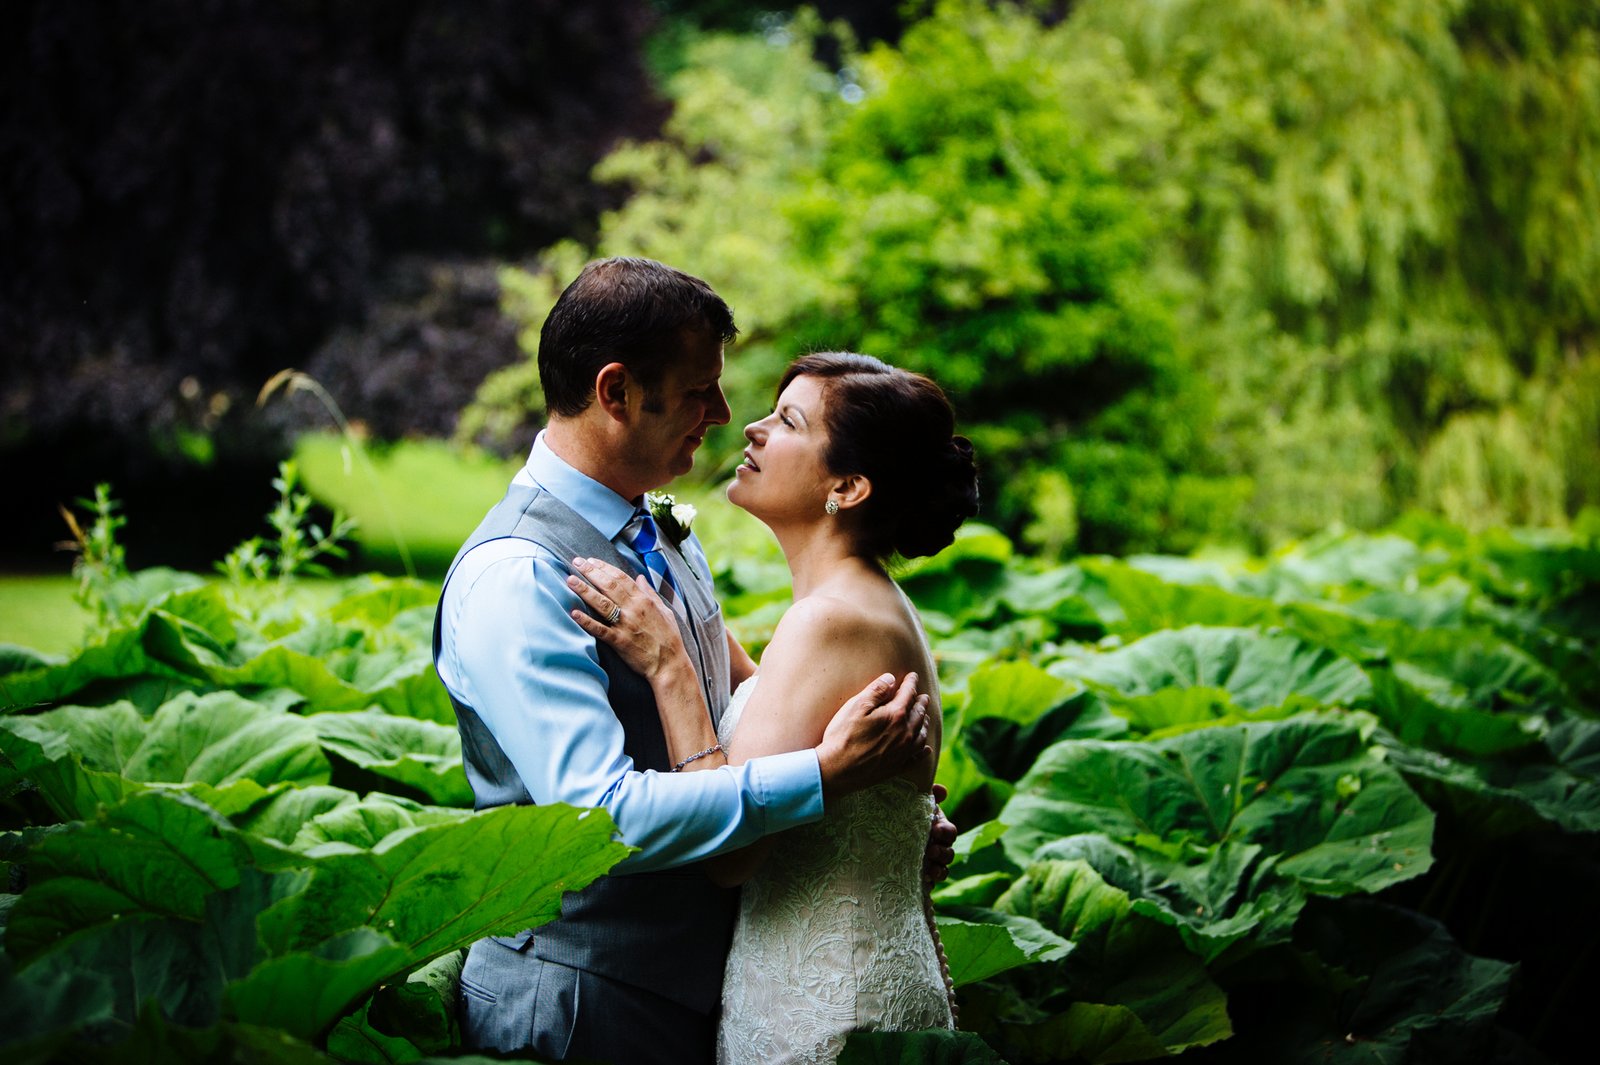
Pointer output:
x,y
870,740
941,841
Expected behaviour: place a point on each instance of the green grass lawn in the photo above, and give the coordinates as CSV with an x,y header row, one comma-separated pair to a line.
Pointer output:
x,y
428,495
39,612
419,497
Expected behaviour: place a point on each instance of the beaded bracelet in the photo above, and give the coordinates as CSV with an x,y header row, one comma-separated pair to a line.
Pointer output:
x,y
713,749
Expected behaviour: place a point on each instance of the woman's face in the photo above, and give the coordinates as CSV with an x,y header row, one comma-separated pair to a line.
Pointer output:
x,y
783,475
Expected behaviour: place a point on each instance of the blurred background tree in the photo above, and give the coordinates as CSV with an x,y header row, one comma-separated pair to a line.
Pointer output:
x,y
200,193
1383,231
1193,274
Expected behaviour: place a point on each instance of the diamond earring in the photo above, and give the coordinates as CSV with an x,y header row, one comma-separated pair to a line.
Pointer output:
x,y
831,506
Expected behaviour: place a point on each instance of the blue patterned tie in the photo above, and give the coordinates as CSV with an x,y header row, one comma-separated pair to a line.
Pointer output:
x,y
645,541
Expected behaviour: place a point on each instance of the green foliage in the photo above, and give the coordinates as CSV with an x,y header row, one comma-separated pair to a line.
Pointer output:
x,y
957,221
218,838
1357,206
1196,771
1257,809
101,561
299,541
1192,276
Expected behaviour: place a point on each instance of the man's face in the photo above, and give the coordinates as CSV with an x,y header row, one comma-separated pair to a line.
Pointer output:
x,y
673,418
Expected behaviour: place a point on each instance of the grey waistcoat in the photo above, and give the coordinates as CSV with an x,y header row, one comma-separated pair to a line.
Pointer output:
x,y
667,931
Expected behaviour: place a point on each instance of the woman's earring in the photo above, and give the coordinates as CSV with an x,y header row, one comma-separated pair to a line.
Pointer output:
x,y
831,506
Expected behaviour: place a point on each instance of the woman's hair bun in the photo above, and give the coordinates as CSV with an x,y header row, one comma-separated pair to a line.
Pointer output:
x,y
897,429
949,497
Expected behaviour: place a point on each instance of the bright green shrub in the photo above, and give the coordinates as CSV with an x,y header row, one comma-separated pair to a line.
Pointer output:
x,y
958,221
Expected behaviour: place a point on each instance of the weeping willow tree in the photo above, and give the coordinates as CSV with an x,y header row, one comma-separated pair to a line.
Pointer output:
x,y
1386,221
1194,270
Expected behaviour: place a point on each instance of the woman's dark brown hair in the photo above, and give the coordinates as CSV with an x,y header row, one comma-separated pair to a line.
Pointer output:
x,y
897,429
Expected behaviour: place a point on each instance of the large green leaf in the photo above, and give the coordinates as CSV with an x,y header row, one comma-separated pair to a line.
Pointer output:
x,y
1070,597
421,891
388,598
89,755
157,855
41,1009
1129,991
980,942
1557,784
175,963
154,1038
120,654
437,887
164,891
406,1019
418,754
1214,896
1342,559
191,637
363,824
1217,831
960,581
278,813
1150,603
1474,668
930,1047
18,659
1456,727
401,684
1014,710
305,991
1308,789
1389,986
1256,670
70,788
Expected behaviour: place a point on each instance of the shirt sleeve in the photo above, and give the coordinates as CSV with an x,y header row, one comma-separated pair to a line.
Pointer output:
x,y
512,652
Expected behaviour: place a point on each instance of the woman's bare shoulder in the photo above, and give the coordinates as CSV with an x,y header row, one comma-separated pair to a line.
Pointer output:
x,y
825,619
821,626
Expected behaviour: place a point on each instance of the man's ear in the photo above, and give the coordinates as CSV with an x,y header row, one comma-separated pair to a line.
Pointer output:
x,y
851,491
613,387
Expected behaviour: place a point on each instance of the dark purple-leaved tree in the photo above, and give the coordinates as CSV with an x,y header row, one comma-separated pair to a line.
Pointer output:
x,y
197,193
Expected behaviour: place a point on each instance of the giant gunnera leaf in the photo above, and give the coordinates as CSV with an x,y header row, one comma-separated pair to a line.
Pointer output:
x,y
1556,783
1375,983
180,907
1128,991
418,754
935,1046
1217,830
366,914
88,755
1255,670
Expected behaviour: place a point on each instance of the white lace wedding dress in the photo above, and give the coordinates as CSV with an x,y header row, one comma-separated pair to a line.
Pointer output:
x,y
833,935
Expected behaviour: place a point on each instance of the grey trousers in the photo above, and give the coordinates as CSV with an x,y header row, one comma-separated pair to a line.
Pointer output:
x,y
512,1000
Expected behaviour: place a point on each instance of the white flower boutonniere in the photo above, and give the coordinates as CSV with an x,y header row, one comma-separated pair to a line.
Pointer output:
x,y
672,517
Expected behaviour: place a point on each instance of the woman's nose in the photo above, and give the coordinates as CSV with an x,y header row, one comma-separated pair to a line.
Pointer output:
x,y
755,432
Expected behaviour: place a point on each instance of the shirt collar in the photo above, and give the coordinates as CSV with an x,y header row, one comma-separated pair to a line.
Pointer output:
x,y
608,512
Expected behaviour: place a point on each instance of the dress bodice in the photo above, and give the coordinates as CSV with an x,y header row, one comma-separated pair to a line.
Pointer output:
x,y
833,931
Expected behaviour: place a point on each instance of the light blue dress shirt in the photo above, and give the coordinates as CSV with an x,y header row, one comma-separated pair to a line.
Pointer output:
x,y
511,651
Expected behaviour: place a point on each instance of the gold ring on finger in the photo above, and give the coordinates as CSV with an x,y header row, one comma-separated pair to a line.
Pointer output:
x,y
615,615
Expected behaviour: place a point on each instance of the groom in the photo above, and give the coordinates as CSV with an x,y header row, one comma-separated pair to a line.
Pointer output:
x,y
630,359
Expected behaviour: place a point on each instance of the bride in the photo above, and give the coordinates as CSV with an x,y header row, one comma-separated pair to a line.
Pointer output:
x,y
858,462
